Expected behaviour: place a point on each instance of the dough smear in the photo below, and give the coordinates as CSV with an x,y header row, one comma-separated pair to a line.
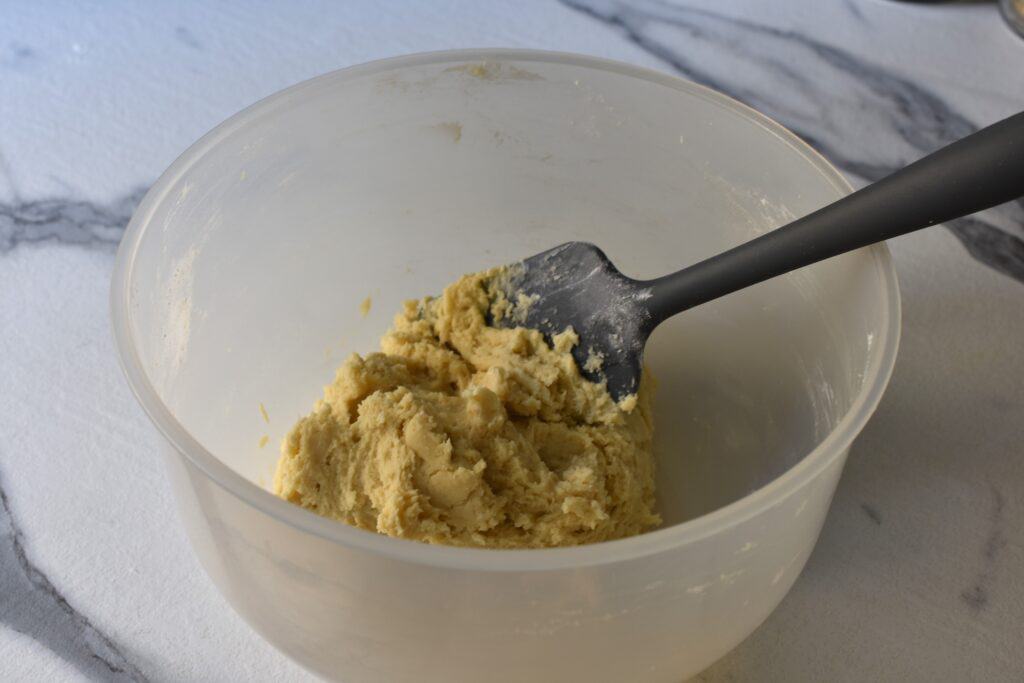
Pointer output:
x,y
460,433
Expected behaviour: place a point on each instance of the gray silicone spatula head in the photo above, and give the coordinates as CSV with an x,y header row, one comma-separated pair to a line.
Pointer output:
x,y
575,285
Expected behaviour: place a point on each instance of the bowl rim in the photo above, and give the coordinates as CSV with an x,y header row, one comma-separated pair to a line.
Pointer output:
x,y
833,446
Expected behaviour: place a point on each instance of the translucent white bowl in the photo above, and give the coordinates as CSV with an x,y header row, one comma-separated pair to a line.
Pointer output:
x,y
239,282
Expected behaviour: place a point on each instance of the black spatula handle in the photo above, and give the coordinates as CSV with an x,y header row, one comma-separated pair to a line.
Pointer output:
x,y
975,173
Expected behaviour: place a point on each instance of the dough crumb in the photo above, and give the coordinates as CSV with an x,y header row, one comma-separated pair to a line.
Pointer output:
x,y
263,440
263,412
502,308
464,434
496,71
364,308
452,128
595,361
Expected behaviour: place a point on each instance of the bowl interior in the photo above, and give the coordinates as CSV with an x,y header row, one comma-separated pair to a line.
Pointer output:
x,y
389,181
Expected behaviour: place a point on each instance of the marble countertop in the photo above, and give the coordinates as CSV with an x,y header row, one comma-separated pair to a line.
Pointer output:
x,y
919,573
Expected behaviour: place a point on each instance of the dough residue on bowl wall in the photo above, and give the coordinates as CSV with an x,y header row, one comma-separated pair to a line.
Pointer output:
x,y
466,434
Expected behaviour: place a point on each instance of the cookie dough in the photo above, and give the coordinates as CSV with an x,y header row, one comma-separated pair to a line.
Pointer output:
x,y
466,434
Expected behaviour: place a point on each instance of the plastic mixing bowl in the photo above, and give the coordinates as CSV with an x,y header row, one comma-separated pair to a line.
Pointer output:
x,y
239,282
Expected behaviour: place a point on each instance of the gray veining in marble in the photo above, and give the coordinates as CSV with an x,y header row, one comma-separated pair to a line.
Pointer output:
x,y
33,606
66,221
802,79
976,596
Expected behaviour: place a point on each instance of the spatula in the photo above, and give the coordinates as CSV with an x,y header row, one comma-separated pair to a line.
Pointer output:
x,y
576,285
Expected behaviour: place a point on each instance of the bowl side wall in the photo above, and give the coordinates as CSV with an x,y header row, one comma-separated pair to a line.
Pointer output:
x,y
355,616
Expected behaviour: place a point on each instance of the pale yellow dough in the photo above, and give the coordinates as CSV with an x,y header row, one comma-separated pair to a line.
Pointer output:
x,y
471,435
